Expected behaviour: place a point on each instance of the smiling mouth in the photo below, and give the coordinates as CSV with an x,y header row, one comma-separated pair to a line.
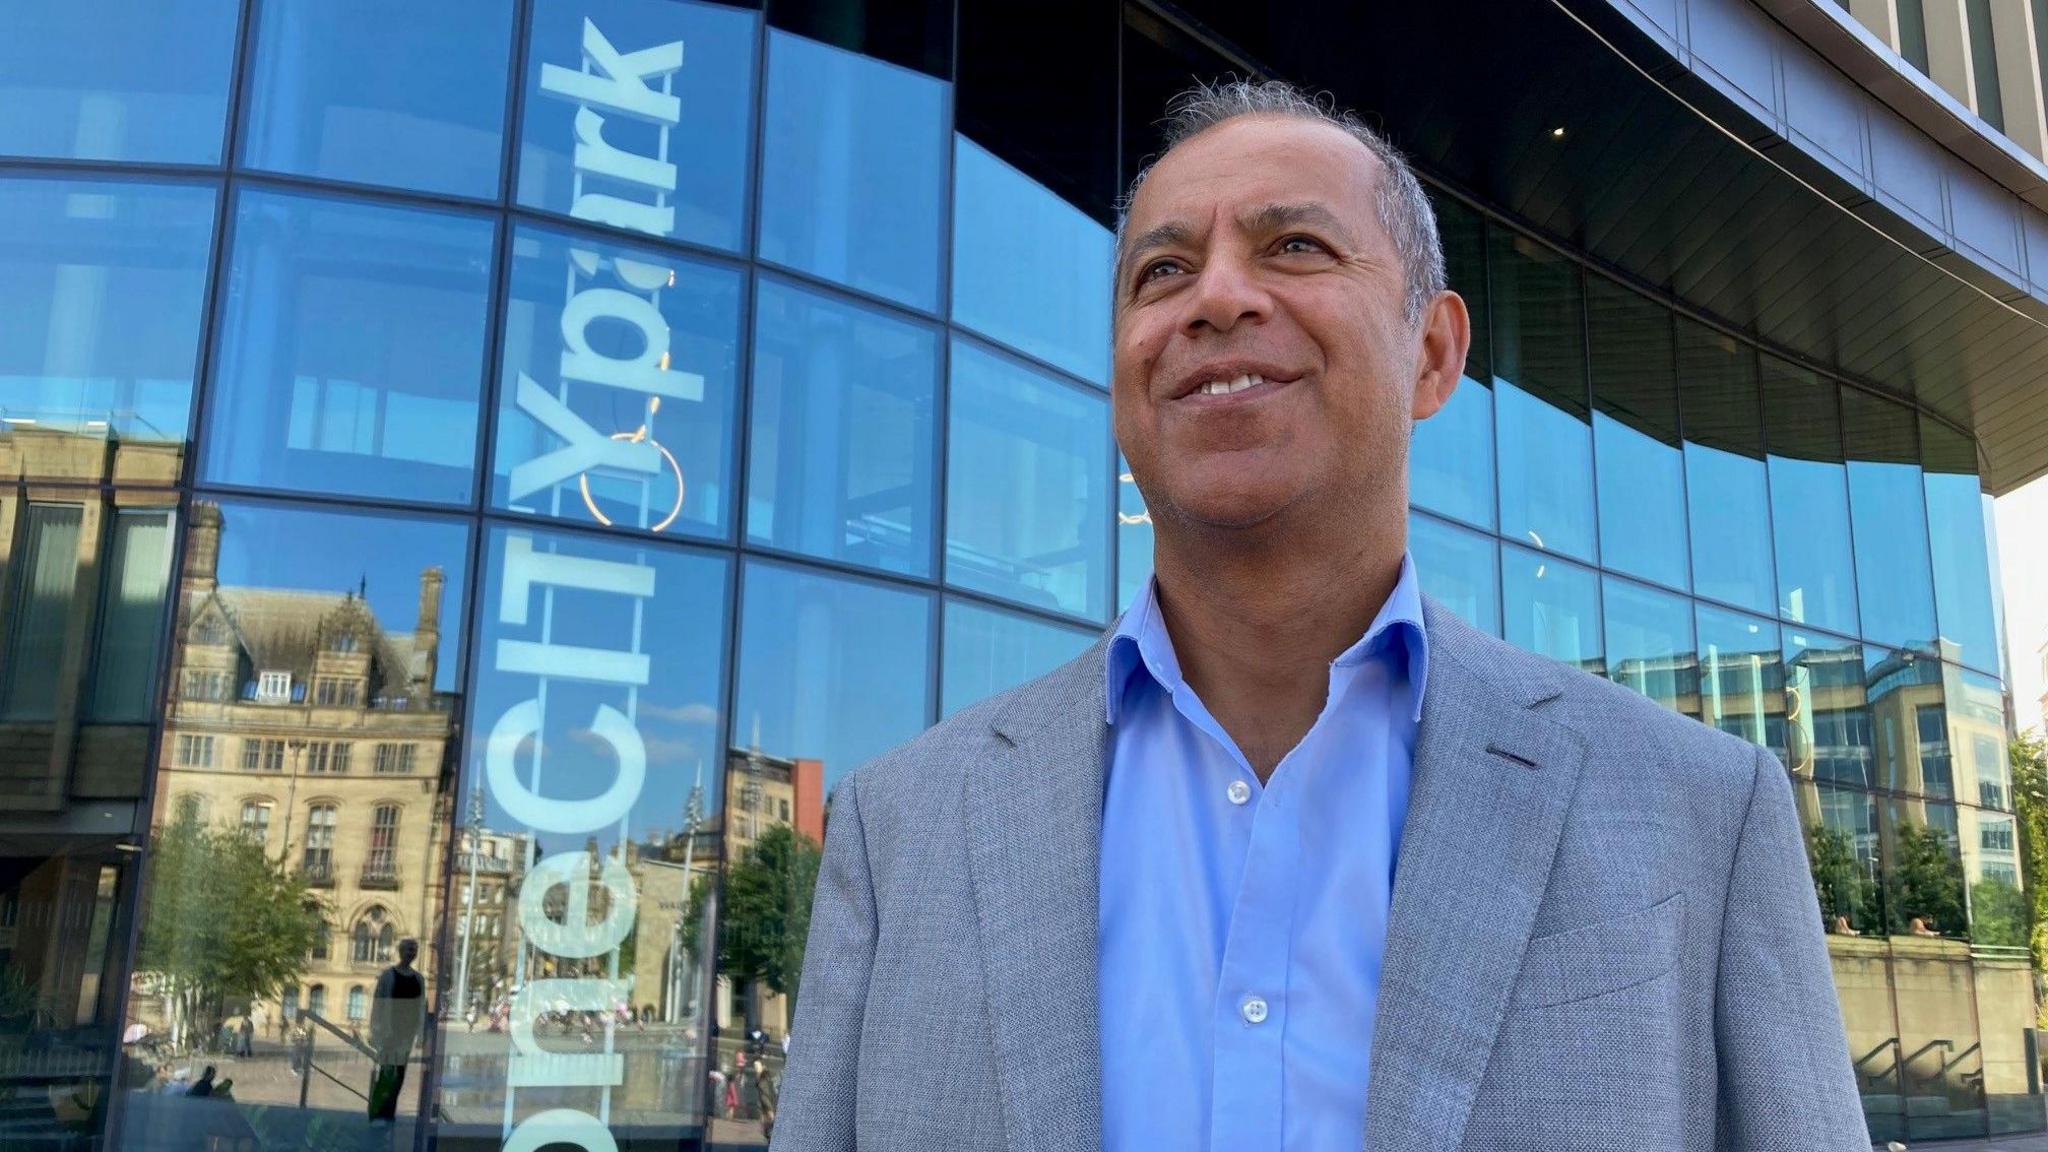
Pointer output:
x,y
1250,385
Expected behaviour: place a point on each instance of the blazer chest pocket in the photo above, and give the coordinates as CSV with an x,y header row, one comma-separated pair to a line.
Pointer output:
x,y
1596,959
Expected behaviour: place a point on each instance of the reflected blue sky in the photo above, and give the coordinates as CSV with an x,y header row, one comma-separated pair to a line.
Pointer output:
x,y
988,651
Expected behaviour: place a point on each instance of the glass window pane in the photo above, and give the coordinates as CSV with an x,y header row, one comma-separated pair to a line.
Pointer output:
x,y
1635,435
853,162
1552,607
1029,269
1458,568
842,458
1842,851
662,150
1828,729
1540,412
1909,722
1809,498
597,766
40,609
1961,549
832,670
617,393
1977,741
988,651
1924,869
350,349
1450,455
1133,538
148,82
1649,641
132,606
1027,506
103,285
1727,498
381,92
1742,677
1887,509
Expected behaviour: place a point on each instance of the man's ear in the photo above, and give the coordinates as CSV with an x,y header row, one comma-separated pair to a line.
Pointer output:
x,y
1446,336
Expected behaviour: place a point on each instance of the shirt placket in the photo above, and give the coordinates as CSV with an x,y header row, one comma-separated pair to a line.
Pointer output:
x,y
1249,1014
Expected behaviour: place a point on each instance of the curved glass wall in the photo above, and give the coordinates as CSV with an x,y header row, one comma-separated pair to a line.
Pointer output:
x,y
494,504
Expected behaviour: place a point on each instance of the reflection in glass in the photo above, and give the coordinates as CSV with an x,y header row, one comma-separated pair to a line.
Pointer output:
x,y
1650,642
1977,737
1909,722
616,396
1962,554
1450,455
1742,678
842,458
1842,846
350,349
852,171
673,156
597,773
1809,498
988,651
1458,568
1026,516
381,92
131,614
1887,509
282,659
1924,869
1540,412
1635,436
40,608
1552,607
102,285
1828,725
150,85
1727,501
831,669
1029,269
1133,538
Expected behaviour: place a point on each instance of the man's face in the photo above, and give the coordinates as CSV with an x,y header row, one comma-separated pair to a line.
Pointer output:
x,y
1255,254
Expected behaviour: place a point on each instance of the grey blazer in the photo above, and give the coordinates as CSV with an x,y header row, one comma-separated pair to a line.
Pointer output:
x,y
1603,933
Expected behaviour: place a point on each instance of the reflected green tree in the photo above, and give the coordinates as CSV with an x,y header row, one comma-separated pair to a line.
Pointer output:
x,y
221,920
1927,877
1840,881
767,911
1998,913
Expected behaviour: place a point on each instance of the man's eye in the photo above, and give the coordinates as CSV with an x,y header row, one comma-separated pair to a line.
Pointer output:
x,y
1157,270
1301,244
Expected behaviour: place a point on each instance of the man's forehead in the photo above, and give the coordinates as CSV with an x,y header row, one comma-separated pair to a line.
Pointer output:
x,y
1251,165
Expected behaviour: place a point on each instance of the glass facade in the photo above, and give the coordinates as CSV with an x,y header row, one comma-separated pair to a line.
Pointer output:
x,y
484,475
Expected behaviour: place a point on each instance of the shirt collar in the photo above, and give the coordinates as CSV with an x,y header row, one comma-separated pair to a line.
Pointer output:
x,y
1140,641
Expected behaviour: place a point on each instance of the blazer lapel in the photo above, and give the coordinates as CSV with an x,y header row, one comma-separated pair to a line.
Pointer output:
x,y
1034,814
1493,780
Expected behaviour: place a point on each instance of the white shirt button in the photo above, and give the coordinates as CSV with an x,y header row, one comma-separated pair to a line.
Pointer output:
x,y
1239,792
1253,1010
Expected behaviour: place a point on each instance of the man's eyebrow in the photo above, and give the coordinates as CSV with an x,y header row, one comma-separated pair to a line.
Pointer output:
x,y
1171,234
1267,218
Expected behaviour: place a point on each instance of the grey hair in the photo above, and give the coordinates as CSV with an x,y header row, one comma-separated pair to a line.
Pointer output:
x,y
1403,208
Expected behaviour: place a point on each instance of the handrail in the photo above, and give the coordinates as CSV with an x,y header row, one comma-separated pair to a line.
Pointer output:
x,y
1891,1042
1960,1057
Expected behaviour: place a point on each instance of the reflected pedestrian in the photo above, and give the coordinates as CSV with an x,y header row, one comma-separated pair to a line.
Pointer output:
x,y
247,1046
396,1014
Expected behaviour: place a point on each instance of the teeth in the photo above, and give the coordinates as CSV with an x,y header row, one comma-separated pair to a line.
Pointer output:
x,y
1226,387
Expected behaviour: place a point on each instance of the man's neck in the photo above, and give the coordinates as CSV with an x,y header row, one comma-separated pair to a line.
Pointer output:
x,y
1255,629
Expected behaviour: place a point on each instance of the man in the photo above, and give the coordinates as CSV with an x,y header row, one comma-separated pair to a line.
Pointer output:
x,y
396,1014
1295,860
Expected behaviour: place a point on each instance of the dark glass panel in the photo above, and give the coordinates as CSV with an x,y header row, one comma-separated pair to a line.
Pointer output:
x,y
1635,435
103,286
146,82
1450,455
351,349
1540,397
381,92
1887,507
843,457
1459,568
638,116
853,170
912,33
1728,505
620,380
1809,498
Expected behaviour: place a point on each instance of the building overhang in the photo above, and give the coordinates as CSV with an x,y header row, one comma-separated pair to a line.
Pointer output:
x,y
1779,202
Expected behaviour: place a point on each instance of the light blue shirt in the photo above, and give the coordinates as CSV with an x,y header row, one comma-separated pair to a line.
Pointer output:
x,y
1242,925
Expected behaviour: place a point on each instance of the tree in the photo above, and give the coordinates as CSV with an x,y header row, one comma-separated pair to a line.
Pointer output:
x,y
767,910
1998,912
2028,756
1840,880
1929,879
222,919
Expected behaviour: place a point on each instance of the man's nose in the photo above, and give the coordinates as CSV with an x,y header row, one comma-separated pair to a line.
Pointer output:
x,y
1226,294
